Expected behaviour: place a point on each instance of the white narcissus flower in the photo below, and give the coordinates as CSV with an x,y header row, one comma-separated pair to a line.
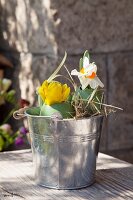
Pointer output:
x,y
87,75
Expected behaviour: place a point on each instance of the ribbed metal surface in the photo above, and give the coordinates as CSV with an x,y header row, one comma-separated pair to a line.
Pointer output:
x,y
65,151
76,138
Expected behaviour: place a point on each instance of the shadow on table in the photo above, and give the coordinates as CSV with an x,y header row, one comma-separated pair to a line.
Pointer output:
x,y
19,156
110,183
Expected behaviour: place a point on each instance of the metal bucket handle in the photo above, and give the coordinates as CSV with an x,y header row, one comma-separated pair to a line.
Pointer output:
x,y
19,114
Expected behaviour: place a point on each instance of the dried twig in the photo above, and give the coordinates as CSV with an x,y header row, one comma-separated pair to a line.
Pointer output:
x,y
11,193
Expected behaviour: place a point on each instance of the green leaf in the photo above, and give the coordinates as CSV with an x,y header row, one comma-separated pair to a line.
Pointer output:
x,y
96,108
33,111
98,98
1,143
58,68
65,109
86,54
40,101
2,100
81,63
69,99
8,116
92,95
84,94
10,97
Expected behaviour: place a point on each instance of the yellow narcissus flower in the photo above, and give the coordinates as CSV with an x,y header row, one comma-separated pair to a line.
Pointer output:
x,y
53,92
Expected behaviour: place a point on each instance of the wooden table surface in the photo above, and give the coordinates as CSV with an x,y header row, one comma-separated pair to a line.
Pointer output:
x,y
114,180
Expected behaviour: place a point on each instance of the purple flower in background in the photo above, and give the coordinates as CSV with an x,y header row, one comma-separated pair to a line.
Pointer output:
x,y
23,130
19,141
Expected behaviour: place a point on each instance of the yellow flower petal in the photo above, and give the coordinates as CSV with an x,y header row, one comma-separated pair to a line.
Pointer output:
x,y
53,92
41,93
65,92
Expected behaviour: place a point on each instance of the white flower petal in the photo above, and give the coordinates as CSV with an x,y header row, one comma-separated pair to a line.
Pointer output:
x,y
95,83
93,66
81,75
84,82
89,70
75,72
99,82
85,62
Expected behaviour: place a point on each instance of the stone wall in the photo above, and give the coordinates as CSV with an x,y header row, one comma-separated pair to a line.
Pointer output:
x,y
35,34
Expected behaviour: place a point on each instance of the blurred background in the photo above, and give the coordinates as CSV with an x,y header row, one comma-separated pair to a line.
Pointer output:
x,y
34,36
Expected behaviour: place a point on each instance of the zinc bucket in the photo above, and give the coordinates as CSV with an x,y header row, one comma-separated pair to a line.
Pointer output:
x,y
64,151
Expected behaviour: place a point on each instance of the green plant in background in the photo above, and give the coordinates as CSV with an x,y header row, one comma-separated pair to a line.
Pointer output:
x,y
7,136
5,95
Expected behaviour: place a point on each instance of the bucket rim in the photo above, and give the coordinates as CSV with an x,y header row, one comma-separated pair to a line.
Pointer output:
x,y
65,119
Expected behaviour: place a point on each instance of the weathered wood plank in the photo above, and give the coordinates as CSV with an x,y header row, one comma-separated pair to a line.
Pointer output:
x,y
114,180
